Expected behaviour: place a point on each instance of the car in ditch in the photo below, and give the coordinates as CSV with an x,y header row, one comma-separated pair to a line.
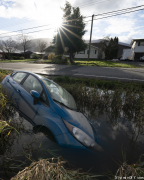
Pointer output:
x,y
44,103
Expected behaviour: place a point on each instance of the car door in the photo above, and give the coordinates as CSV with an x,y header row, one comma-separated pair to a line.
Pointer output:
x,y
12,86
27,106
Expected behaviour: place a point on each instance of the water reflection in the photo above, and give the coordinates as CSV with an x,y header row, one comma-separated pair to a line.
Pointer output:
x,y
118,120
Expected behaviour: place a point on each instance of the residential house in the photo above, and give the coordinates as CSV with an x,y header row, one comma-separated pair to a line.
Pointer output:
x,y
4,55
38,53
1,55
48,51
27,54
138,47
121,46
96,52
84,54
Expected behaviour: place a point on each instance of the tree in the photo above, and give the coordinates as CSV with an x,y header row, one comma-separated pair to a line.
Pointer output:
x,y
25,42
71,32
110,47
41,46
8,47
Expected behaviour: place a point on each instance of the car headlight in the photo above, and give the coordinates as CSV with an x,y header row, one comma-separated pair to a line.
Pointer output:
x,y
82,137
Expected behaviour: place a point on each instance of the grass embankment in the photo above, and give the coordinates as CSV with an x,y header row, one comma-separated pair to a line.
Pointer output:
x,y
15,61
100,63
103,84
113,99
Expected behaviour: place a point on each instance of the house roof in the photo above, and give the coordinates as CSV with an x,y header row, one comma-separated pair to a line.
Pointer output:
x,y
132,41
38,53
99,44
94,46
124,44
27,52
49,49
16,51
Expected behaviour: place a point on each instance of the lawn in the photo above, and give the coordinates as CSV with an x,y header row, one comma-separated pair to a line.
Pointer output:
x,y
100,63
15,61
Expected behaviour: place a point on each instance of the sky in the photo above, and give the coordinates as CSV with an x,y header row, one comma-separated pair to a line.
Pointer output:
x,y
22,14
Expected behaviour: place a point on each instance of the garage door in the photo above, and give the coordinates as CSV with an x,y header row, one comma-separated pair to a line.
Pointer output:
x,y
138,55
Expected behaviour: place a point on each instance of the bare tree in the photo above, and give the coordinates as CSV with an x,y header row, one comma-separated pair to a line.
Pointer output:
x,y
25,42
8,47
41,46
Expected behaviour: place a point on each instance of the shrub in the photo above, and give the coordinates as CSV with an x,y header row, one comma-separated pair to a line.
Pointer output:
x,y
22,58
59,59
15,57
51,56
36,56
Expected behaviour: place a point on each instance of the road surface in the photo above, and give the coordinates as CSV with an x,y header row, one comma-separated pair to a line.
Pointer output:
x,y
122,74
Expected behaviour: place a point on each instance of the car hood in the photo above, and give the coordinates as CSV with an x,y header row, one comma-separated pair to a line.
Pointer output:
x,y
76,119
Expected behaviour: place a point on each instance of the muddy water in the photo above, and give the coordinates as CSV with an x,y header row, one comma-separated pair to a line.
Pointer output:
x,y
114,136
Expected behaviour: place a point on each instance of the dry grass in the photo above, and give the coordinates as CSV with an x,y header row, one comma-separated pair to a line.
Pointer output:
x,y
134,170
45,169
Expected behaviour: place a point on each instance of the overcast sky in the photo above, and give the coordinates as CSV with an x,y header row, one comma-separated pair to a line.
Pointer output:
x,y
22,14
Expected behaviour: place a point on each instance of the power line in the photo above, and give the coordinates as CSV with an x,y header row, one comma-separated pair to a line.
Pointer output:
x,y
25,29
90,4
33,20
27,33
13,24
110,12
134,7
117,14
30,28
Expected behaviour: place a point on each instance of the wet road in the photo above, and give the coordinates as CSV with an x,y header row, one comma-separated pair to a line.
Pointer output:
x,y
122,74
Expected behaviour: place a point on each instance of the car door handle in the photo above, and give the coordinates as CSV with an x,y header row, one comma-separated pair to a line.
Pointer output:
x,y
18,91
7,80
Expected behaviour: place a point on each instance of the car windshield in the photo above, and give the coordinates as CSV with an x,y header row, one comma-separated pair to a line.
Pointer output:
x,y
60,95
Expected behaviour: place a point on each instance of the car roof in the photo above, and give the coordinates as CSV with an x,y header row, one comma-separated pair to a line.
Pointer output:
x,y
39,76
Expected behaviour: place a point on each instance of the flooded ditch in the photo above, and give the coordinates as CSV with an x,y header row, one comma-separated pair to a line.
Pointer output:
x,y
117,118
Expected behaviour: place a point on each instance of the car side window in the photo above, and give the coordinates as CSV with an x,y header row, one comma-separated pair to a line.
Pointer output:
x,y
43,98
18,77
31,83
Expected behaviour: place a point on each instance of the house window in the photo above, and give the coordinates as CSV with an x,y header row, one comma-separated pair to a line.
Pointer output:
x,y
142,43
81,52
92,51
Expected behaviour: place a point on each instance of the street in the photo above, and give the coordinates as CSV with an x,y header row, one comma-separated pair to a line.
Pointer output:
x,y
122,74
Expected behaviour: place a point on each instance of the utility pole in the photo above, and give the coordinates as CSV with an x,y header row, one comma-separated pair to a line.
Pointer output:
x,y
90,37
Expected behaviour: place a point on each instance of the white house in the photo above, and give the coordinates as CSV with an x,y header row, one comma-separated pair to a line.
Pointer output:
x,y
138,47
84,54
38,53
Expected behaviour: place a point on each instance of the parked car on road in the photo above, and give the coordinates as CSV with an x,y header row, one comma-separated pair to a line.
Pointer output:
x,y
44,103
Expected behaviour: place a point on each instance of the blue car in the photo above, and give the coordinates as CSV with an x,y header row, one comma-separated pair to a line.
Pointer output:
x,y
44,103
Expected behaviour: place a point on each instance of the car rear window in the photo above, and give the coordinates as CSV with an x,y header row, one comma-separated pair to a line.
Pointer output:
x,y
18,77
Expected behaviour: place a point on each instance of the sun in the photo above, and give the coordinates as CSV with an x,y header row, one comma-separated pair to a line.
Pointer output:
x,y
56,23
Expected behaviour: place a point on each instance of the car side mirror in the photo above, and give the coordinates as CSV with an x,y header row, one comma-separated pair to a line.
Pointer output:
x,y
35,94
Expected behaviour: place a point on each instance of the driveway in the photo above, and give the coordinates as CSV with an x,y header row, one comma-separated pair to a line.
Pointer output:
x,y
122,74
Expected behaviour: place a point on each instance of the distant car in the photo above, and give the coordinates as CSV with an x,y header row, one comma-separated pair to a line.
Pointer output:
x,y
44,103
142,58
